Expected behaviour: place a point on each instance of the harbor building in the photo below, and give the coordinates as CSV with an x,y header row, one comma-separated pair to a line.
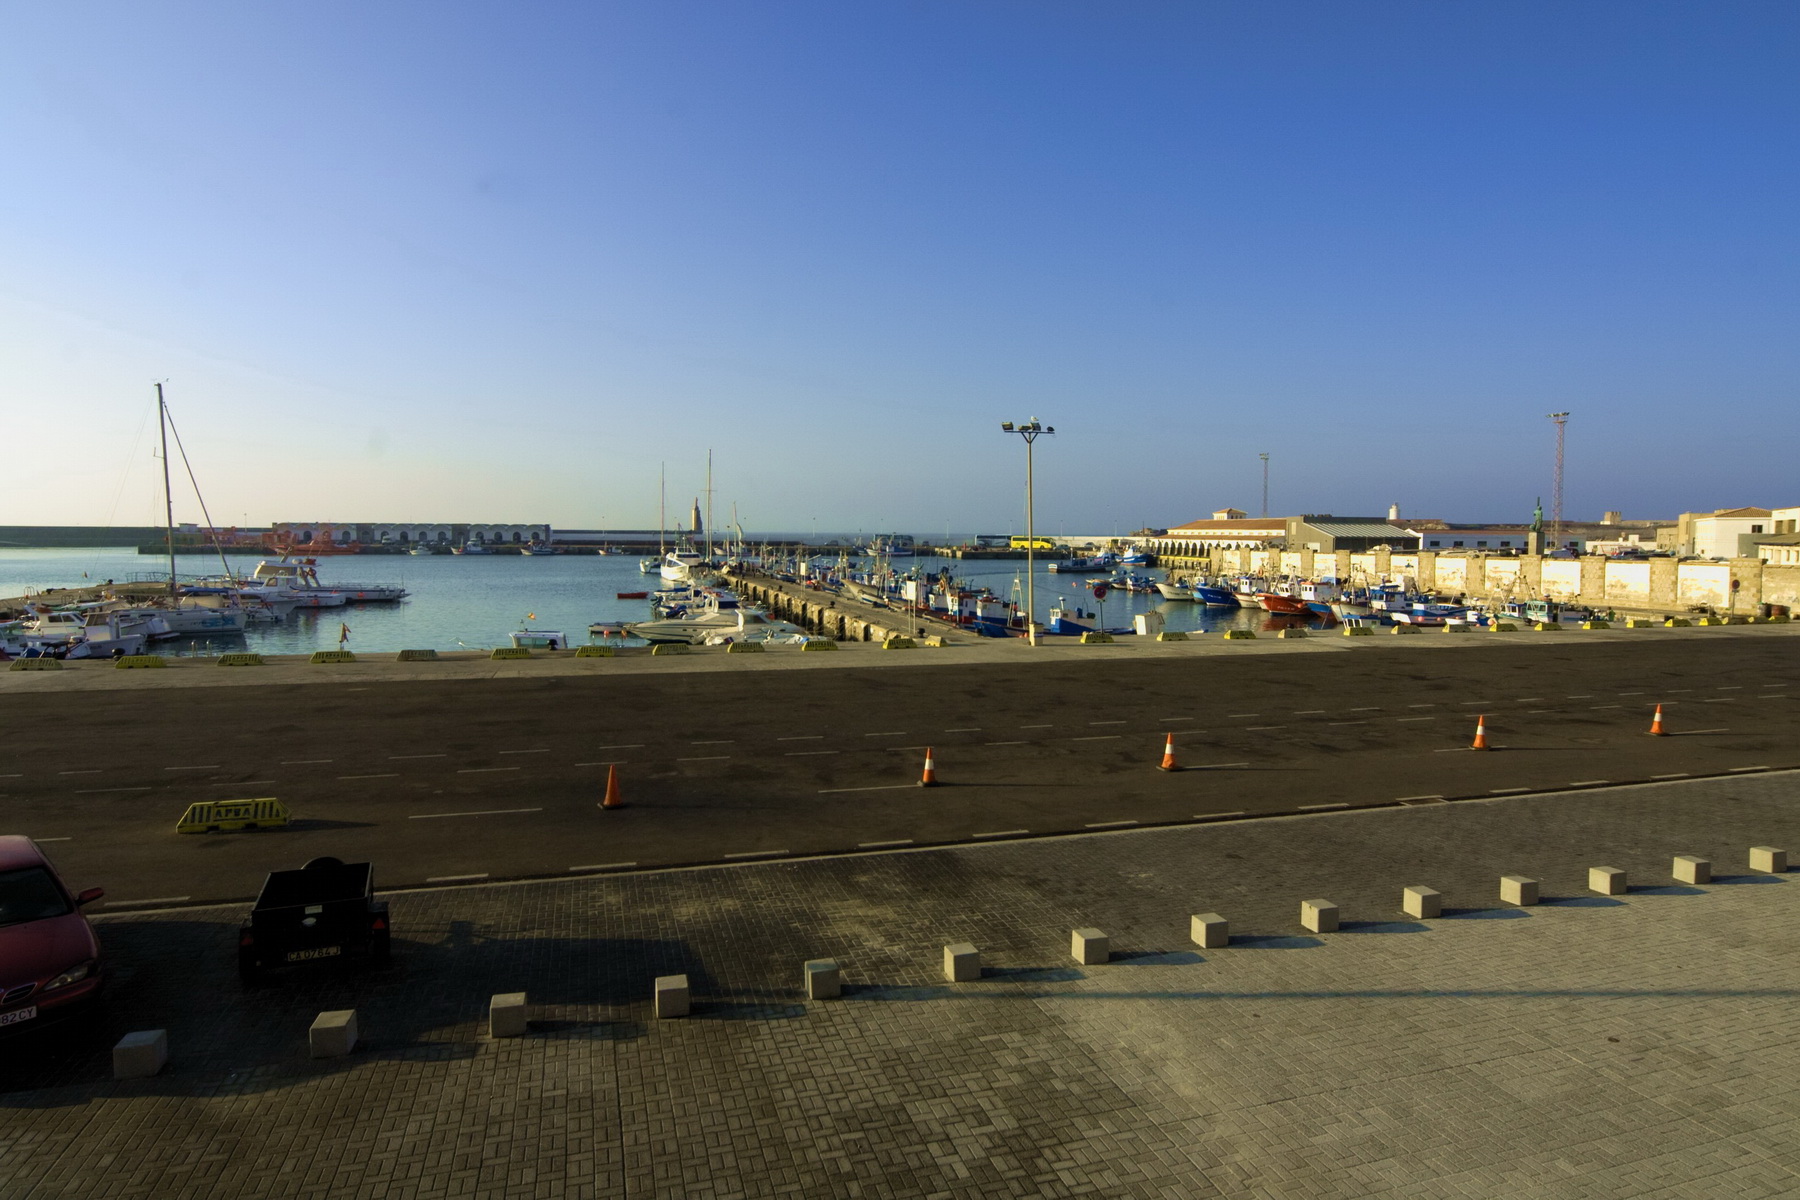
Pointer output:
x,y
303,533
1723,533
1322,532
1227,529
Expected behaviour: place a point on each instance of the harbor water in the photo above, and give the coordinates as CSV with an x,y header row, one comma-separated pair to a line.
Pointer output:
x,y
476,601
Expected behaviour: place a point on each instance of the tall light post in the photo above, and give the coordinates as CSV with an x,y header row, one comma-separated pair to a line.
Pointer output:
x,y
1265,462
1029,430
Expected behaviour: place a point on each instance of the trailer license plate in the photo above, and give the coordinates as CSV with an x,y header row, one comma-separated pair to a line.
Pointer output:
x,y
23,1014
321,952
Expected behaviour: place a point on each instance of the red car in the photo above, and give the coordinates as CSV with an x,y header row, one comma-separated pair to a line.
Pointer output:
x,y
49,958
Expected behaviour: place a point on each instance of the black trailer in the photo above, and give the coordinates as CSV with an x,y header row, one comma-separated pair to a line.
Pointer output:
x,y
324,912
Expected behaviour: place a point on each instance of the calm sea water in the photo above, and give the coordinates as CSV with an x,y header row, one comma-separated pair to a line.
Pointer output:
x,y
474,602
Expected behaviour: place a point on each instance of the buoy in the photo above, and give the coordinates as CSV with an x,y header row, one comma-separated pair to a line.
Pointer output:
x,y
1480,733
1656,724
1168,762
929,778
612,798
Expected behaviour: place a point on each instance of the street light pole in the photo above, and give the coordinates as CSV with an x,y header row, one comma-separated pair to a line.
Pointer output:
x,y
1029,430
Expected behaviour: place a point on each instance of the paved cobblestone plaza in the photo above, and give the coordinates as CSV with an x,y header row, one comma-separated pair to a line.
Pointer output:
x,y
1642,1045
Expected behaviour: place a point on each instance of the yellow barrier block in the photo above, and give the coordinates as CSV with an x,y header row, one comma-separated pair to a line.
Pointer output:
x,y
1358,631
1711,621
36,664
669,648
1777,619
1404,629
1676,622
1547,626
1596,624
596,651
332,656
1456,628
936,642
134,661
223,816
1094,638
1234,635
1171,635
1637,622
899,643
240,660
1291,633
818,644
509,652
416,656
744,648
1503,627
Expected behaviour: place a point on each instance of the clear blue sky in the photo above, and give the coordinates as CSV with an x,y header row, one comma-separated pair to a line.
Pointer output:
x,y
498,261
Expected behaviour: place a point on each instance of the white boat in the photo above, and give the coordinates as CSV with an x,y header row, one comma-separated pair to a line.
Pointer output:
x,y
1174,591
689,567
470,548
89,633
710,621
421,550
539,639
301,578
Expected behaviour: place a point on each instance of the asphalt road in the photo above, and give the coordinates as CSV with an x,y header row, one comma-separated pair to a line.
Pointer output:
x,y
458,780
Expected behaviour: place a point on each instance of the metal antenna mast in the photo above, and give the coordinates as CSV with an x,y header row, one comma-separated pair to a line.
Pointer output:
x,y
1556,496
1265,457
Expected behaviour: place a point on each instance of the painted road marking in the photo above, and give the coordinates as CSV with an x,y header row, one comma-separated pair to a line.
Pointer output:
x,y
1109,824
1346,722
60,839
1589,782
486,812
604,867
808,753
1411,799
1693,732
965,729
610,762
545,751
756,854
470,878
98,791
1730,687
1216,766
1598,707
803,737
1099,737
388,775
155,900
1365,708
303,762
1528,700
207,767
884,845
1578,697
1108,722
1259,728
1421,706
1761,768
1037,727
1243,714
1216,816
1317,807
474,770
1008,743
1631,693
1506,791
399,757
707,758
1002,833
1673,775
93,771
1718,700
1402,720
888,733
238,783
717,742
624,746
13,775
885,787
1309,712
1174,718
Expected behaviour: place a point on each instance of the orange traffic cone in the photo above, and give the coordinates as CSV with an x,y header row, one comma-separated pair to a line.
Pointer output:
x,y
1480,742
1656,724
929,778
612,798
1168,762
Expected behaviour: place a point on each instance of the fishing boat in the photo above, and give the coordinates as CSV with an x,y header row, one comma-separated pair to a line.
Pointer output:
x,y
540,550
470,548
539,639
1081,565
1213,596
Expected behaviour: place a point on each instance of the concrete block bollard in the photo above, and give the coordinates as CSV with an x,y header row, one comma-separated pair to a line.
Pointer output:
x,y
962,963
1518,889
1691,868
1209,930
672,999
142,1054
333,1034
506,1015
1768,859
822,979
1320,916
1089,946
1422,902
1608,881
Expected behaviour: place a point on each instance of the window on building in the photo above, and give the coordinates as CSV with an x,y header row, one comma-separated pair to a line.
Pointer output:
x,y
1756,529
1453,545
1505,544
1481,543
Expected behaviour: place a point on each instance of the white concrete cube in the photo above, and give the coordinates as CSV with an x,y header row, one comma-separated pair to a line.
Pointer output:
x,y
1090,946
142,1054
1769,859
333,1034
1690,868
962,962
1320,916
506,1015
822,979
1518,889
1422,902
672,999
1209,930
1608,881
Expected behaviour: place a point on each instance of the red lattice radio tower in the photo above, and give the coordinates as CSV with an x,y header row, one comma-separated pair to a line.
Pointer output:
x,y
1556,509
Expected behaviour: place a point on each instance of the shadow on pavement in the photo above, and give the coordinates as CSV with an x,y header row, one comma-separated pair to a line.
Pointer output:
x,y
1382,927
1484,914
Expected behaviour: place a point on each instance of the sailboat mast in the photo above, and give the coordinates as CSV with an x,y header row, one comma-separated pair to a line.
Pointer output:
x,y
709,515
162,422
662,515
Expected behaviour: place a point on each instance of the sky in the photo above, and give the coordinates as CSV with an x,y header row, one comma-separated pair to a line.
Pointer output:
x,y
511,261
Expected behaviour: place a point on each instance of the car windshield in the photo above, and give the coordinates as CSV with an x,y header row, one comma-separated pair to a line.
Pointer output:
x,y
30,895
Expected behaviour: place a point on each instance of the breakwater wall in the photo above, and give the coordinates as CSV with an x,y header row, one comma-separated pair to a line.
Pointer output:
x,y
1654,584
